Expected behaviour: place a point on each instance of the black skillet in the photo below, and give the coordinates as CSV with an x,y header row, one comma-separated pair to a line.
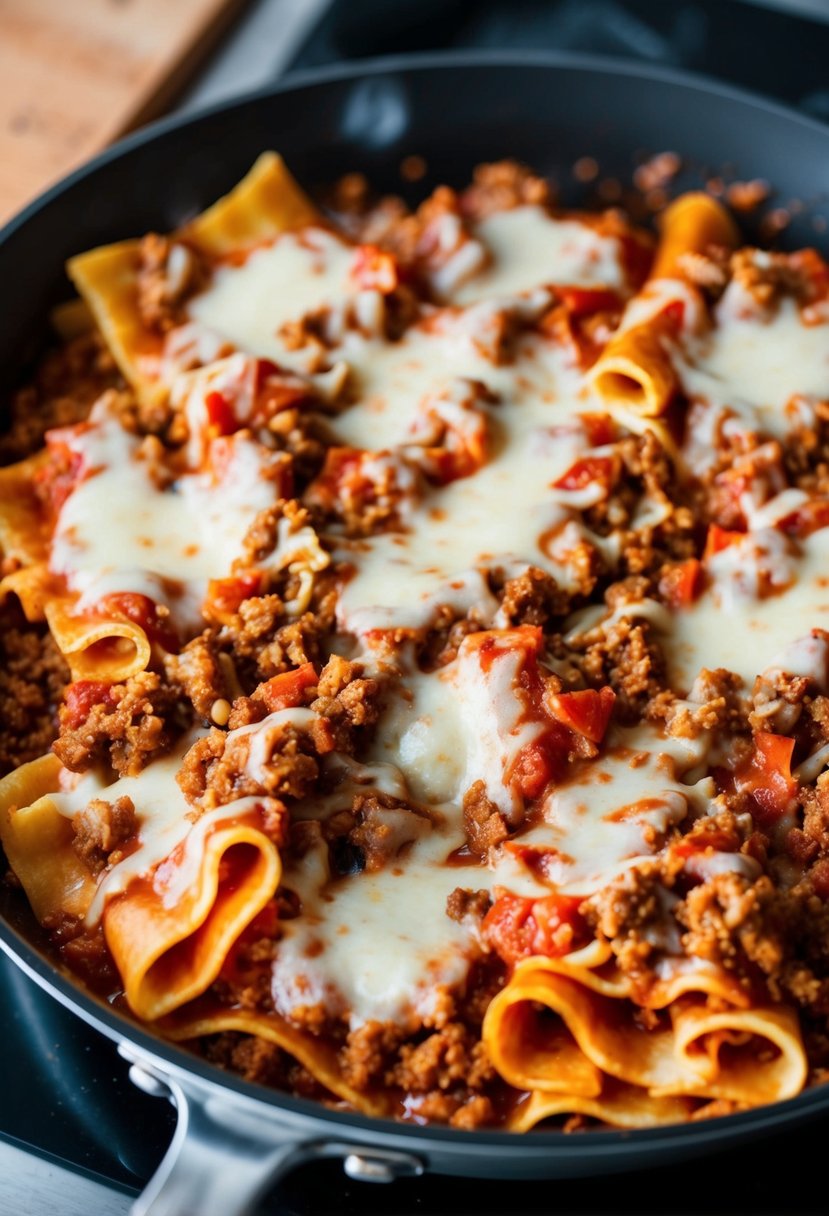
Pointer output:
x,y
234,1139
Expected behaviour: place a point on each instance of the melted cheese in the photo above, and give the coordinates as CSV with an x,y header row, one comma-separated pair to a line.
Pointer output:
x,y
296,275
728,626
120,531
505,514
161,809
527,247
379,945
753,363
617,811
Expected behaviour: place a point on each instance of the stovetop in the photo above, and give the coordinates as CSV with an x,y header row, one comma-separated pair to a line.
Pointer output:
x,y
75,1135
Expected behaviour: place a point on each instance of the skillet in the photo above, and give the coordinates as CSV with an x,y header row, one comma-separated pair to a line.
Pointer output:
x,y
234,1139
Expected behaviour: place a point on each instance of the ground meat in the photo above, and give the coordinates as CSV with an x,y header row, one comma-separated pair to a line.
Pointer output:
x,y
32,678
502,186
483,823
628,657
214,770
447,1058
368,1050
776,274
815,803
533,598
463,904
627,912
254,1058
169,272
348,700
84,951
261,643
201,675
66,384
100,828
477,1112
384,827
714,703
135,722
708,271
806,448
777,702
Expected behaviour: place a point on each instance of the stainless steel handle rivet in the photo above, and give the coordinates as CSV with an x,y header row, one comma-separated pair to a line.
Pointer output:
x,y
387,1168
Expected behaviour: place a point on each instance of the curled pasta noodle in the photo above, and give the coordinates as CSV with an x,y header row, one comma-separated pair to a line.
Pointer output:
x,y
675,1060
37,841
635,371
693,223
169,933
98,648
618,1104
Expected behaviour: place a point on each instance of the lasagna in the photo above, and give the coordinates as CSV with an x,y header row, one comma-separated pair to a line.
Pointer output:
x,y
415,634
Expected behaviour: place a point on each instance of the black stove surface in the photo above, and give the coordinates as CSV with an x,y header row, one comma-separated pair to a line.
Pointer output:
x,y
65,1091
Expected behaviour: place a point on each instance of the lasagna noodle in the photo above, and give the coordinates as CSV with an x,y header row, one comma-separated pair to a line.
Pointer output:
x,y
701,1054
692,224
37,840
97,648
318,1057
635,371
169,933
22,534
266,203
618,1104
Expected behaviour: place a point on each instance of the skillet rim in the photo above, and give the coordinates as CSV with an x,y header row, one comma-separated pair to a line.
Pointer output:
x,y
120,1028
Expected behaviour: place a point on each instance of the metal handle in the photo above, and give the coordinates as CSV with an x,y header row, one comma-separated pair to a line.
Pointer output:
x,y
222,1159
211,1168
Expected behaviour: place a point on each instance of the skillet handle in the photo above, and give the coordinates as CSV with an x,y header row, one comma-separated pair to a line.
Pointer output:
x,y
213,1168
222,1159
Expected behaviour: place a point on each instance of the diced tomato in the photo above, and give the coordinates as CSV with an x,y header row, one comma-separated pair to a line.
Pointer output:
x,y
55,481
718,539
536,765
673,314
340,472
144,612
681,583
586,712
806,519
224,595
276,389
287,690
601,429
79,699
517,928
585,472
706,838
374,270
220,417
766,775
494,642
582,301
